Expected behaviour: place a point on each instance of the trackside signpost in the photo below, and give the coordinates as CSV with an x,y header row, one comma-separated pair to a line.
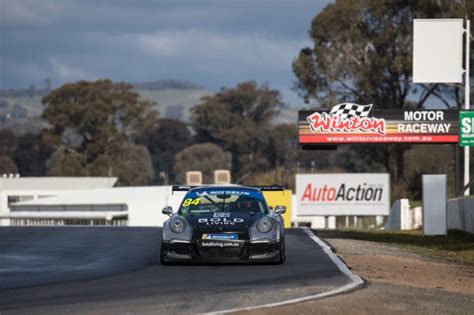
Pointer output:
x,y
466,130
358,124
342,194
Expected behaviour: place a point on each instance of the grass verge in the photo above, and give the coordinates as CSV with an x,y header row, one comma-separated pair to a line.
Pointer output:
x,y
457,246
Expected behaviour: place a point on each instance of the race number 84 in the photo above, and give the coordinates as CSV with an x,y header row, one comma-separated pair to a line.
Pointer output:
x,y
191,201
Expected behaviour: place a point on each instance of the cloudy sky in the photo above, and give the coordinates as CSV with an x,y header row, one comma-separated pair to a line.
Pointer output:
x,y
212,43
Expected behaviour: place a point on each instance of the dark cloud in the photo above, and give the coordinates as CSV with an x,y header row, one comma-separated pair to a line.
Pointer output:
x,y
214,43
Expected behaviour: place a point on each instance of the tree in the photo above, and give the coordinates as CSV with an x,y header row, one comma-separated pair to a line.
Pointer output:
x,y
282,145
136,166
131,163
164,140
31,155
419,163
7,142
7,165
96,120
204,157
66,162
238,119
362,53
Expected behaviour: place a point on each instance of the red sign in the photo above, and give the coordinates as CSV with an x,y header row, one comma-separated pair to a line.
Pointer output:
x,y
356,124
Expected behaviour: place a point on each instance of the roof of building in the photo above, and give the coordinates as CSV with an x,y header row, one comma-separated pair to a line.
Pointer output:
x,y
55,183
104,196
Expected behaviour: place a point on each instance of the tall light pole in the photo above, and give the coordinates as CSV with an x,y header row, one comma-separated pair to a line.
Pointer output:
x,y
467,92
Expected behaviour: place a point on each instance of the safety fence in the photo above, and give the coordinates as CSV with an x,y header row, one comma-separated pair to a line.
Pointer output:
x,y
55,222
53,218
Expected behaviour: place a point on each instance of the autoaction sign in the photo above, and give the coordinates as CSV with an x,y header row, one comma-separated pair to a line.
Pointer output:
x,y
358,124
466,130
342,194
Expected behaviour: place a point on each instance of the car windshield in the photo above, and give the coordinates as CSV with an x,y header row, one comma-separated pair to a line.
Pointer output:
x,y
205,202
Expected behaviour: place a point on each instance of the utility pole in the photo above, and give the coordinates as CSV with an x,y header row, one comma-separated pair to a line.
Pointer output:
x,y
467,92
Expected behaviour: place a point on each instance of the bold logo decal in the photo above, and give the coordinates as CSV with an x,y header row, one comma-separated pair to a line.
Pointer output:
x,y
220,221
346,117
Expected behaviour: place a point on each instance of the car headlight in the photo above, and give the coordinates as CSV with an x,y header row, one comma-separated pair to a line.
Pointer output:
x,y
264,225
177,225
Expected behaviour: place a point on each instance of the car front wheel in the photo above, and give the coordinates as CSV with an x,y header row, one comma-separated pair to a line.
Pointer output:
x,y
163,260
282,257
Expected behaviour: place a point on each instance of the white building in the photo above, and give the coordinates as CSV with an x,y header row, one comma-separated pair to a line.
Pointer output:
x,y
133,206
82,200
24,189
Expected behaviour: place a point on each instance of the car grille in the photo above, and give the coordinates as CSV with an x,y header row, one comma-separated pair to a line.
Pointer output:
x,y
261,249
182,249
221,252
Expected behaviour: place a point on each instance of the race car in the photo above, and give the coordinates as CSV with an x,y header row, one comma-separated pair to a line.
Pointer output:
x,y
216,224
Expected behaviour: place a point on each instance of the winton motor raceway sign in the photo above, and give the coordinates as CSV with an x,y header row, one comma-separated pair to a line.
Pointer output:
x,y
350,123
342,194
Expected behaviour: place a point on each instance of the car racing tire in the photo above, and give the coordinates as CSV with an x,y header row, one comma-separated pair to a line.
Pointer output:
x,y
282,257
163,260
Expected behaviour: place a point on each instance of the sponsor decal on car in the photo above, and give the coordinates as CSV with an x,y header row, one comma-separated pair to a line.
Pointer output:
x,y
228,236
220,244
220,221
220,218
224,192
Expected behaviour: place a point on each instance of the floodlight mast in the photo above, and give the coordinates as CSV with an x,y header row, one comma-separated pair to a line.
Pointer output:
x,y
467,92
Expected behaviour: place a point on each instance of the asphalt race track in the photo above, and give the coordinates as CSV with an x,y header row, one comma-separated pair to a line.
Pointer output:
x,y
53,270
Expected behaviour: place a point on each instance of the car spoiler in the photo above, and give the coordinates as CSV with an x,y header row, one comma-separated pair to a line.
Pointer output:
x,y
261,188
269,188
182,188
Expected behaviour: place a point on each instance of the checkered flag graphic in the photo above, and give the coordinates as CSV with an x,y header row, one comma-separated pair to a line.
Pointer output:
x,y
349,110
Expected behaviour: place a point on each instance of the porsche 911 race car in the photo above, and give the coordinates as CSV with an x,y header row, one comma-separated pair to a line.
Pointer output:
x,y
217,224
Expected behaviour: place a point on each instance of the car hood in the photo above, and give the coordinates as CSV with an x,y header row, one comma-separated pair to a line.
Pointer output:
x,y
222,221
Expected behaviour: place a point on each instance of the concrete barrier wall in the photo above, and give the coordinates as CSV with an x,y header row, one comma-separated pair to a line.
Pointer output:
x,y
394,220
461,214
403,217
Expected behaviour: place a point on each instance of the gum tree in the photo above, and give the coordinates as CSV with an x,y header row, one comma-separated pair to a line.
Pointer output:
x,y
362,53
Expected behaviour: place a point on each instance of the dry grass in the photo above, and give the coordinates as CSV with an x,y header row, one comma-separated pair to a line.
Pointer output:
x,y
457,246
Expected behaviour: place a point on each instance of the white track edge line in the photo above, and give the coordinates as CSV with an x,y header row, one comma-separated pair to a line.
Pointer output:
x,y
355,283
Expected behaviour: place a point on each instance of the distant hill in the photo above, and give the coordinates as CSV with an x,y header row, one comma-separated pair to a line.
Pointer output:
x,y
174,102
167,84
173,99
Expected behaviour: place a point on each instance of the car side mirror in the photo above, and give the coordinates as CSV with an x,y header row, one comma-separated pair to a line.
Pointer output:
x,y
167,210
280,209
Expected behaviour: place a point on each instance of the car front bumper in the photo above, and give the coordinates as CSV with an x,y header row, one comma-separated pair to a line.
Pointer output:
x,y
263,251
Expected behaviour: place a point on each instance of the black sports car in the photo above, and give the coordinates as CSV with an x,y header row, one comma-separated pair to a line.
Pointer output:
x,y
223,224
